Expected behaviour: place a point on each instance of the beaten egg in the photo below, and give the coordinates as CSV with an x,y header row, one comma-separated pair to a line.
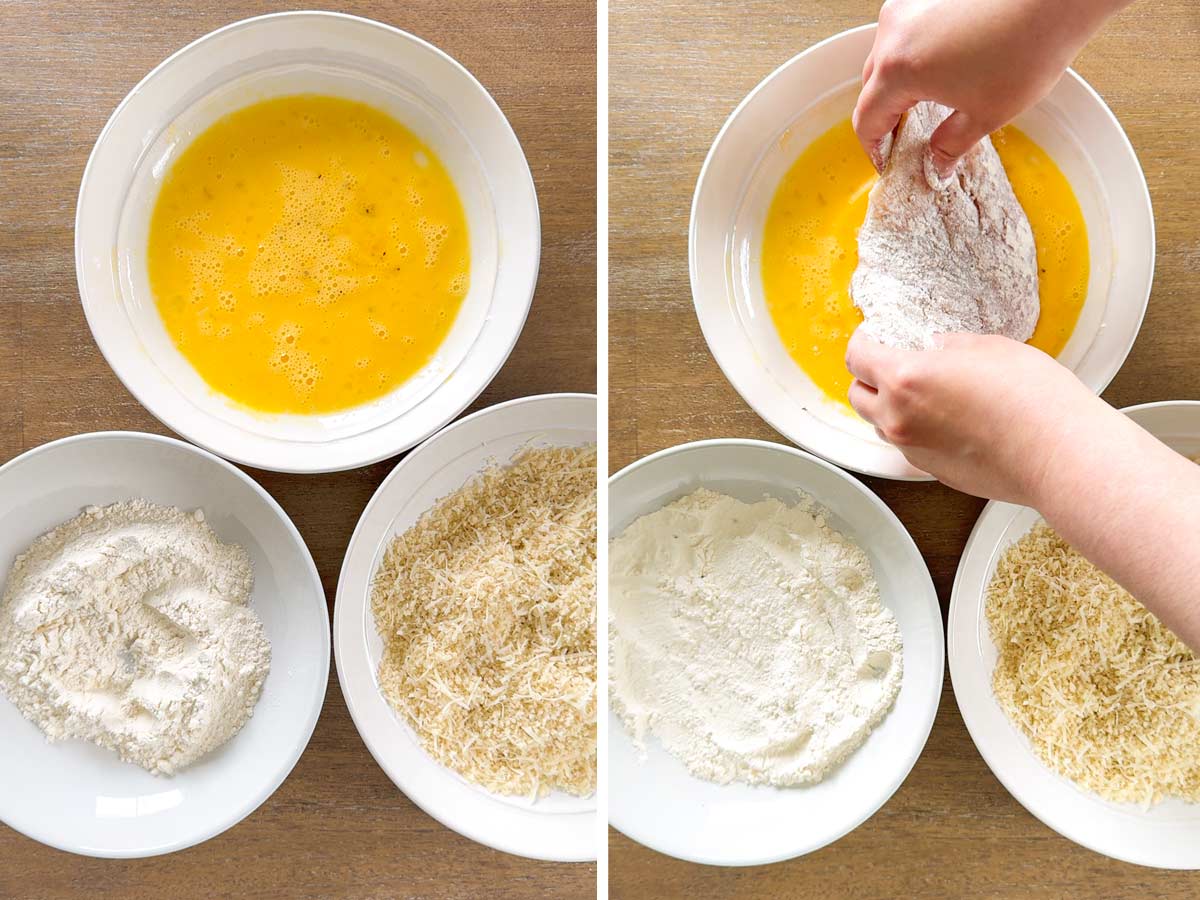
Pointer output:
x,y
810,248
307,254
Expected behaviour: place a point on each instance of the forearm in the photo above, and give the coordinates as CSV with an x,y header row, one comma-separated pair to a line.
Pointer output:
x,y
997,418
1096,11
1080,17
1131,505
1059,29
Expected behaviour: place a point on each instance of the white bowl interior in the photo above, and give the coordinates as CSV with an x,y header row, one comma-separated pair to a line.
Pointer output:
x,y
776,123
1166,835
557,826
655,800
79,797
282,55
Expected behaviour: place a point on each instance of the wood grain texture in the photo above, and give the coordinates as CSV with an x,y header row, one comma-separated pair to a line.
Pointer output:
x,y
337,827
677,70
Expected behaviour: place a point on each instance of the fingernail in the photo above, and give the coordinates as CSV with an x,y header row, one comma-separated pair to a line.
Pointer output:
x,y
938,171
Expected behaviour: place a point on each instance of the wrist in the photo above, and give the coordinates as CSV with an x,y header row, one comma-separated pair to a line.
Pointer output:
x,y
1069,24
1092,14
1077,448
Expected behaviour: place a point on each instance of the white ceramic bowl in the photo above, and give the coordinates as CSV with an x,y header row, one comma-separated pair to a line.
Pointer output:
x,y
1166,835
655,800
78,797
289,53
558,826
801,100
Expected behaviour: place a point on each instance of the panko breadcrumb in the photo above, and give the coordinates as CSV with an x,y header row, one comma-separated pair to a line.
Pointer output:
x,y
487,610
1106,694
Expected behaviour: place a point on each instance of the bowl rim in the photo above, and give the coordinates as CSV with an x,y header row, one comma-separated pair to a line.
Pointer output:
x,y
250,804
340,611
939,645
993,760
308,460
901,471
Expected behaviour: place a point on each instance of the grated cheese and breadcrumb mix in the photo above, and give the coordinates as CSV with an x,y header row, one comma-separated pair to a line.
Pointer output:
x,y
1107,695
487,610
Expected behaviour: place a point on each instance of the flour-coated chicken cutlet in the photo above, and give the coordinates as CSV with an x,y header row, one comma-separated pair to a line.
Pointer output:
x,y
941,257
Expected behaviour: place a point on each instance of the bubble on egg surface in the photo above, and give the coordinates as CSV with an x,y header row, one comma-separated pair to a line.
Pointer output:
x,y
434,235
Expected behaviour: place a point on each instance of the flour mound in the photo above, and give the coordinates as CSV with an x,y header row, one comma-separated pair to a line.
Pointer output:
x,y
128,626
749,639
939,258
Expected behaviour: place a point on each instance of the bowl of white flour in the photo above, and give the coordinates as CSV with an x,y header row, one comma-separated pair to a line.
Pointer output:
x,y
164,644
776,652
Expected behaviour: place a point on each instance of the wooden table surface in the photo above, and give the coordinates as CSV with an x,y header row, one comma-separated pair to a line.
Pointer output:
x,y
337,827
677,69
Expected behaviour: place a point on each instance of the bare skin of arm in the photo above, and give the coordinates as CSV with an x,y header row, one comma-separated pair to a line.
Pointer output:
x,y
988,60
988,415
999,419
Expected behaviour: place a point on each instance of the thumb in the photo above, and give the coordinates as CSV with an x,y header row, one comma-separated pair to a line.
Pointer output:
x,y
957,134
868,360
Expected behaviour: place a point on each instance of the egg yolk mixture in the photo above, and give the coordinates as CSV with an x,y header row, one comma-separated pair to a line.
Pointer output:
x,y
810,248
307,254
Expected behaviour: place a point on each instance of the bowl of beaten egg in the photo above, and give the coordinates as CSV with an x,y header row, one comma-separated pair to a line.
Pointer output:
x,y
288,241
773,243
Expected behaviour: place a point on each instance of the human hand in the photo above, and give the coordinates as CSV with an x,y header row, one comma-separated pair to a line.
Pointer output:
x,y
988,60
983,414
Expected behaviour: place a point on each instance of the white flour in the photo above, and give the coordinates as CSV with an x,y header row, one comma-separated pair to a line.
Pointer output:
x,y
749,638
128,626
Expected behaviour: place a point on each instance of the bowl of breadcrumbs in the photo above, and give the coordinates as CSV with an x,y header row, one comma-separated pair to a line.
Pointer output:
x,y
465,626
1084,705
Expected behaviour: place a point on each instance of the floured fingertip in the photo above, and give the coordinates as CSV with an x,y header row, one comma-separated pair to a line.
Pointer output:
x,y
936,180
883,151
